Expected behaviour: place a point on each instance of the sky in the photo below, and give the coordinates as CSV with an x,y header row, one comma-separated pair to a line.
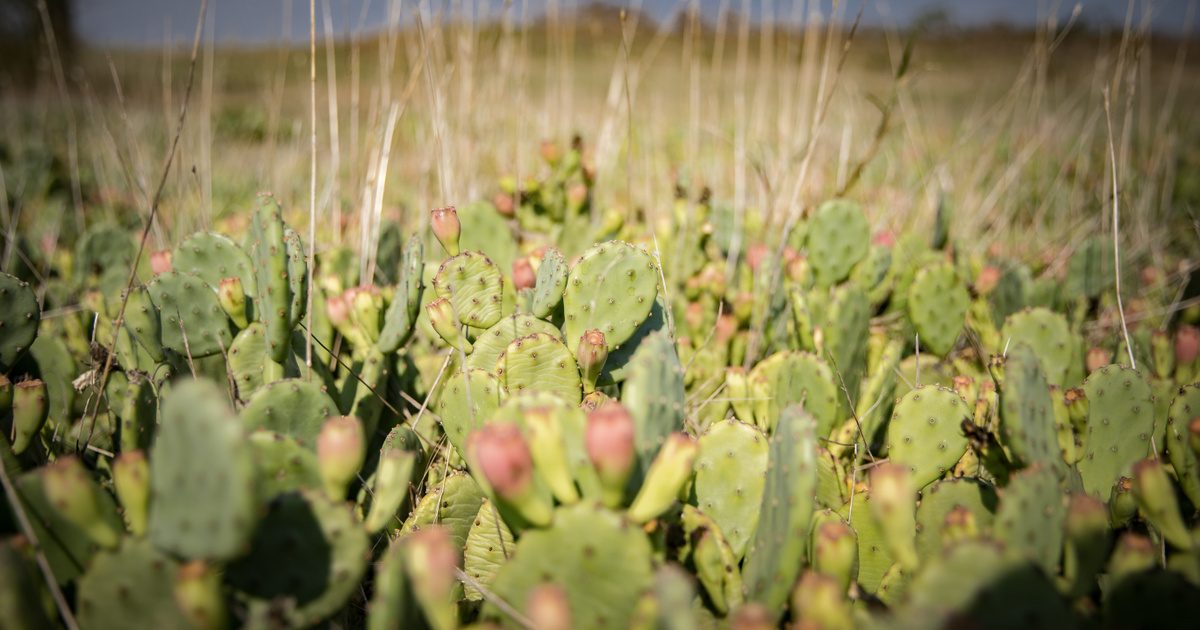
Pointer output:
x,y
150,22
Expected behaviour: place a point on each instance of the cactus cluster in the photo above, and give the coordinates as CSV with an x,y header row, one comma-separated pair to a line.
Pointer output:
x,y
539,415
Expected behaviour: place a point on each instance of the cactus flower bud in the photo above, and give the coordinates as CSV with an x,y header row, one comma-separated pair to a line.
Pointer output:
x,y
893,505
547,445
523,275
667,475
884,238
965,386
1121,504
1097,358
445,322
1155,496
432,560
341,449
337,310
752,616
548,608
1133,554
755,255
591,355
1187,345
505,203
819,602
366,311
445,225
131,480
835,552
160,261
726,328
198,593
29,412
577,195
594,400
232,297
550,152
1088,538
502,457
76,497
988,278
609,440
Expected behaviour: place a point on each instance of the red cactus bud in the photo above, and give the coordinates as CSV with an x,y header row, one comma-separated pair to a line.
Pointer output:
x,y
577,193
988,278
445,323
503,457
1187,344
436,556
1150,276
1097,358
884,238
694,315
523,275
548,608
608,439
591,355
727,326
505,203
341,449
445,225
338,310
160,261
550,152
755,256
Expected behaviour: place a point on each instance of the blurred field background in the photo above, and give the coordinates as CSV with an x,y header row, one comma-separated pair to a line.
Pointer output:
x,y
1003,127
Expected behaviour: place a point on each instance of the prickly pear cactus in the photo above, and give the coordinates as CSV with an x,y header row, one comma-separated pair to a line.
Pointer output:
x,y
937,306
489,545
1026,413
452,503
492,342
1120,423
283,464
730,474
191,321
273,285
131,587
142,320
290,407
473,284
19,317
1048,335
201,459
464,402
838,238
654,394
249,361
788,378
551,281
1183,458
1030,518
846,332
401,316
599,560
610,289
214,257
774,556
540,362
942,497
926,433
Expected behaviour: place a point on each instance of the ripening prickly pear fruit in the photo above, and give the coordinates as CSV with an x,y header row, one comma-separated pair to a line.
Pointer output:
x,y
131,480
341,450
752,616
1121,505
987,280
432,560
755,255
667,475
1097,358
547,446
1187,348
501,455
1133,554
1077,408
523,274
231,295
198,593
445,225
609,440
441,315
819,601
591,355
29,412
1155,497
548,608
366,311
74,495
160,261
835,552
550,152
505,203
894,507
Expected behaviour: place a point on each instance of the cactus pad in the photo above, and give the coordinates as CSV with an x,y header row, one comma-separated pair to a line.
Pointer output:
x,y
453,504
473,284
1048,335
1119,425
730,473
401,316
654,395
1026,412
551,280
600,561
937,306
492,342
143,323
611,289
248,360
787,378
925,433
540,362
213,257
1030,518
131,587
290,407
200,460
838,238
273,299
19,317
462,411
1183,458
191,321
489,544
283,465
937,501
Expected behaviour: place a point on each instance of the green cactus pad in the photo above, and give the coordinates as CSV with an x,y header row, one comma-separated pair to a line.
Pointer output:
x,y
925,433
937,307
473,284
57,369
874,556
940,498
200,460
492,342
715,561
290,407
401,317
1048,335
105,252
1187,468
847,322
297,270
191,321
308,548
773,559
838,238
268,252
551,280
787,378
453,503
731,471
400,459
1090,269
611,289
213,257
489,544
249,360
485,230
874,274
19,317
21,586
142,321
460,417
1030,518
1026,413
654,395
832,484
540,362
283,465
67,548
600,561
1119,425
131,587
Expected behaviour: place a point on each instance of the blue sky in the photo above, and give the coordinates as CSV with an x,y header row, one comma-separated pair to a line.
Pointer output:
x,y
149,22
